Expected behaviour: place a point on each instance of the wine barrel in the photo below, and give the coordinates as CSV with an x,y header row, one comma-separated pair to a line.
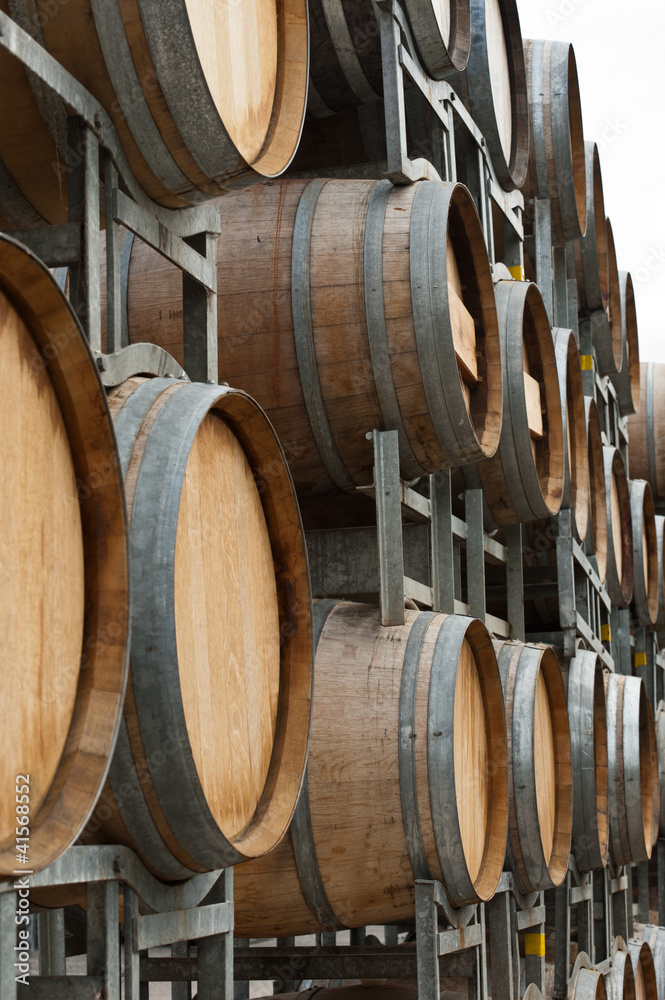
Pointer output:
x,y
619,578
655,775
643,970
212,747
494,88
659,723
576,483
64,569
630,777
557,168
655,938
588,737
344,307
620,980
646,595
591,261
660,545
598,506
627,381
607,326
406,777
646,454
586,982
540,775
345,68
203,97
524,481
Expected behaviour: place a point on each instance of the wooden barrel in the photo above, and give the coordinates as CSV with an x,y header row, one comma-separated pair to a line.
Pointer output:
x,y
646,594
660,545
598,495
557,168
540,775
524,480
619,578
212,747
643,970
587,716
201,98
63,570
620,980
576,484
345,68
406,777
646,454
591,260
589,985
655,938
494,87
655,775
627,380
607,328
344,307
630,777
659,723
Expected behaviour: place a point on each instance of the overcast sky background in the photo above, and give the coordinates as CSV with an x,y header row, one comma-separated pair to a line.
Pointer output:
x,y
620,53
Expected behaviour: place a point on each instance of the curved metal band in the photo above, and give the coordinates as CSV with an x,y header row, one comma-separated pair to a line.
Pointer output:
x,y
561,341
316,106
14,205
440,753
376,327
155,672
131,97
60,274
302,836
615,766
524,775
640,579
651,439
562,154
128,422
407,745
632,697
176,60
303,336
581,711
537,115
347,57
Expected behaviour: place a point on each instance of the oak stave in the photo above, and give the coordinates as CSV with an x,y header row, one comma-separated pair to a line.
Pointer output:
x,y
200,103
643,969
494,88
366,824
524,481
588,736
620,568
64,584
646,454
630,770
540,778
591,260
627,380
213,743
646,595
557,167
351,330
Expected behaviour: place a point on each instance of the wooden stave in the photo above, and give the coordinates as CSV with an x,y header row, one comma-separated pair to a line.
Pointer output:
x,y
645,578
474,88
659,723
620,980
589,985
630,830
660,544
57,821
591,250
199,160
588,731
620,590
315,911
642,959
655,775
556,146
154,710
576,484
627,380
347,465
608,331
513,463
598,516
520,665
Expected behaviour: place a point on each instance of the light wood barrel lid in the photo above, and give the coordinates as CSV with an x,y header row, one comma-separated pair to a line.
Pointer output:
x,y
227,625
471,760
499,69
63,564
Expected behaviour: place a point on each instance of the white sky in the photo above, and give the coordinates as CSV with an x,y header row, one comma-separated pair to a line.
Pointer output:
x,y
620,52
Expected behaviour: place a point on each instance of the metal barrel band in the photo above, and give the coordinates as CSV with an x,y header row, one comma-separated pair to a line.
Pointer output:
x,y
303,335
407,745
340,36
376,326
